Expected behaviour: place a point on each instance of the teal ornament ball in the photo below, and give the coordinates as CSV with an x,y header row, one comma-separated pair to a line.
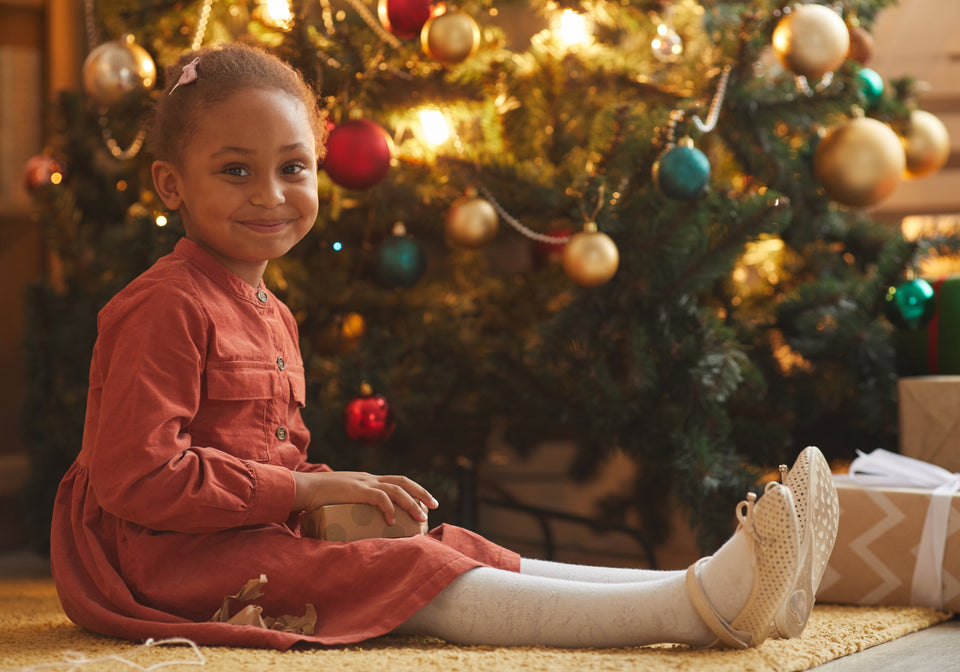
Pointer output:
x,y
401,261
911,304
870,85
682,172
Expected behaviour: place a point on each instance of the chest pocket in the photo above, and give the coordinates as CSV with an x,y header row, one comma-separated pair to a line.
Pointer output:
x,y
240,381
242,409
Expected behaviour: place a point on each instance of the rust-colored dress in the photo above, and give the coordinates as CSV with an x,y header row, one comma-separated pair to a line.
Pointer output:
x,y
182,490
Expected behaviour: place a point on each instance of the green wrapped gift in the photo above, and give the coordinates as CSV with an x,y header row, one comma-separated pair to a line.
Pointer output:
x,y
934,348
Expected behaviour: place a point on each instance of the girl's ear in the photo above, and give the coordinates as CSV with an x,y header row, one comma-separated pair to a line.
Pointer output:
x,y
166,180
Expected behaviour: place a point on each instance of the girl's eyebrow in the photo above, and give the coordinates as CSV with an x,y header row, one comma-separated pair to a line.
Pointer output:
x,y
231,149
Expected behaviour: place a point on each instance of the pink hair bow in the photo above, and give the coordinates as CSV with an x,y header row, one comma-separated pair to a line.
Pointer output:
x,y
187,74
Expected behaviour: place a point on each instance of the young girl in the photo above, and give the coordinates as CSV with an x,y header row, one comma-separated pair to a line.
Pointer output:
x,y
192,473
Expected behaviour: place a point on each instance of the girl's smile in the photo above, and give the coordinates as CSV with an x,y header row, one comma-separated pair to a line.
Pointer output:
x,y
246,187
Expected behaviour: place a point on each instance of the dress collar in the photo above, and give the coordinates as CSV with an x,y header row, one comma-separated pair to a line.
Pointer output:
x,y
216,271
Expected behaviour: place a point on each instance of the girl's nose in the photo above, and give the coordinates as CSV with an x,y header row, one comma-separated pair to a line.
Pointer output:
x,y
268,192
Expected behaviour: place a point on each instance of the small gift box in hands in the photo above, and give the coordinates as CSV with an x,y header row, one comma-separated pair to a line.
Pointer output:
x,y
350,522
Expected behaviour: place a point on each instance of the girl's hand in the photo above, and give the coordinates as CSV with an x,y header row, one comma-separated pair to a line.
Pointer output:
x,y
349,487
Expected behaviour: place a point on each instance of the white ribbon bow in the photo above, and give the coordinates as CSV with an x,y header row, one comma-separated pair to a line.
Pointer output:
x,y
882,468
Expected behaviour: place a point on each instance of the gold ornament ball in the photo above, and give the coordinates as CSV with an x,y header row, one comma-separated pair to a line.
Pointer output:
x,y
926,143
812,40
450,38
591,258
118,71
859,162
353,327
471,222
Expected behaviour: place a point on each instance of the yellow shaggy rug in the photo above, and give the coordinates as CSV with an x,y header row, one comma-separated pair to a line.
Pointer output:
x,y
35,635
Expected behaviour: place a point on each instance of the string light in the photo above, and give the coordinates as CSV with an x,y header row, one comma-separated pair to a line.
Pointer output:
x,y
434,126
202,19
161,220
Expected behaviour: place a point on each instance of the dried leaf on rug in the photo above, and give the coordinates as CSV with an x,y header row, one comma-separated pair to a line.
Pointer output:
x,y
252,614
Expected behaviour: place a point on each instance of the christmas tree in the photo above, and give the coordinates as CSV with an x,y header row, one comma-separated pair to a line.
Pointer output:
x,y
642,225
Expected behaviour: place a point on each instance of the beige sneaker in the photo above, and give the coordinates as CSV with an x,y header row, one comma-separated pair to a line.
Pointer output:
x,y
818,512
771,526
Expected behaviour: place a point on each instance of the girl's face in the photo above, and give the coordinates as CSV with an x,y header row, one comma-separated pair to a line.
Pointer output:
x,y
246,186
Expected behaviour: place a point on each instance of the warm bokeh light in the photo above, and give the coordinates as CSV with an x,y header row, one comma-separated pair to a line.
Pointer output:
x,y
161,220
572,28
917,227
276,13
435,127
760,268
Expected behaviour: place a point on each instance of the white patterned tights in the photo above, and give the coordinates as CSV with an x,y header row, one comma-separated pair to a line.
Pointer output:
x,y
555,604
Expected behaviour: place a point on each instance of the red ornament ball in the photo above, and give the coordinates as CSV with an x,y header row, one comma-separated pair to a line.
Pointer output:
x,y
41,170
551,252
369,418
358,154
404,18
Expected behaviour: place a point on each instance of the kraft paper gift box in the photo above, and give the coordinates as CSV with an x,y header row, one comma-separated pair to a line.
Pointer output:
x,y
930,419
896,545
350,522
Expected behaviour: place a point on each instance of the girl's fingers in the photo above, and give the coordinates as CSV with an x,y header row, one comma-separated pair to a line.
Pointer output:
x,y
413,489
405,500
382,500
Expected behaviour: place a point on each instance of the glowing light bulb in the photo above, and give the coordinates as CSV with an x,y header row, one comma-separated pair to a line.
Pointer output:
x,y
572,28
435,127
276,13
667,46
161,220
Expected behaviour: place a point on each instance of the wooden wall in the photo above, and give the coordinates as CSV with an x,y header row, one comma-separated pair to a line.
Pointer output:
x,y
921,38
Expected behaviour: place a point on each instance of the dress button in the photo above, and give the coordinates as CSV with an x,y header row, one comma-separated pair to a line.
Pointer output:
x,y
281,432
281,364
262,296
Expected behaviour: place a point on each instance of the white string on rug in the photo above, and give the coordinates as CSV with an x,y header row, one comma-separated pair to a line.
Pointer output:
x,y
74,660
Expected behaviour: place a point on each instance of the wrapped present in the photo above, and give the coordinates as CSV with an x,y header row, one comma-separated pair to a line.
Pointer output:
x,y
930,420
898,542
933,348
350,522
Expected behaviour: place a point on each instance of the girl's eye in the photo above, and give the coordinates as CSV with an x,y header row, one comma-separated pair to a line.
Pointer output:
x,y
236,171
293,168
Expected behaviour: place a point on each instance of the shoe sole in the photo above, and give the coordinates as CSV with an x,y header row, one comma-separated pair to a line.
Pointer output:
x,y
818,507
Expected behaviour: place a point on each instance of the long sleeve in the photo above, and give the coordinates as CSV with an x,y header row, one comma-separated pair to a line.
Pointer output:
x,y
151,379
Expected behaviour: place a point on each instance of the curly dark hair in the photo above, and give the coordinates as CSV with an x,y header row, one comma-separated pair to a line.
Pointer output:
x,y
222,71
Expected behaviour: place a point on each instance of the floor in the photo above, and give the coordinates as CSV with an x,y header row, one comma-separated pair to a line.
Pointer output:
x,y
936,648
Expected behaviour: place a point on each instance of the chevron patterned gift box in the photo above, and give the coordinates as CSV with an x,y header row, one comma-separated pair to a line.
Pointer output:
x,y
896,546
